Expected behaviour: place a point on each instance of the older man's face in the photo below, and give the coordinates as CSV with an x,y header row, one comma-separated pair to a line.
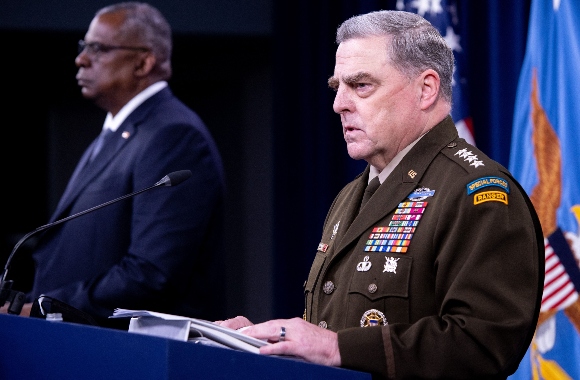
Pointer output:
x,y
378,106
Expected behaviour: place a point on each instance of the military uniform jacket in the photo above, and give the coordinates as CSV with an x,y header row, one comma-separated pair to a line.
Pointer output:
x,y
443,267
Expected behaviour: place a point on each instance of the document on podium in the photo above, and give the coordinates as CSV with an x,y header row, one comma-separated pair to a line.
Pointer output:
x,y
198,331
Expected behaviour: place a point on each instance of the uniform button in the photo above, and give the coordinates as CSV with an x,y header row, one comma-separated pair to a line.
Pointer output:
x,y
323,324
328,287
452,145
372,288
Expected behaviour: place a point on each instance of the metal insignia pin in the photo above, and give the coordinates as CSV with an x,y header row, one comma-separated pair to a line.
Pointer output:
x,y
391,264
335,230
373,317
364,265
420,194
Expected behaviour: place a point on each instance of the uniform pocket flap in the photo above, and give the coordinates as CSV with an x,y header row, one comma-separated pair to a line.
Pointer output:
x,y
387,276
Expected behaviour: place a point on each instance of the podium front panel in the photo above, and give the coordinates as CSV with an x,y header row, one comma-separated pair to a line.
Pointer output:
x,y
33,348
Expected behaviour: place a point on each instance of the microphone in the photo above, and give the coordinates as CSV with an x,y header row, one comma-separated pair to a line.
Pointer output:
x,y
16,298
173,179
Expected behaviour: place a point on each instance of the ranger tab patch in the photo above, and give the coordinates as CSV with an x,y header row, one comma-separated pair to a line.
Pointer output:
x,y
490,196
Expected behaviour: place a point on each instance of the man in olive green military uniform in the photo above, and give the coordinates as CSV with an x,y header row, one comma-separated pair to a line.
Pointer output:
x,y
440,273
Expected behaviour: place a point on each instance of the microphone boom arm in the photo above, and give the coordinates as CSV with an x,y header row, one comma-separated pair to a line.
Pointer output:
x,y
16,298
46,226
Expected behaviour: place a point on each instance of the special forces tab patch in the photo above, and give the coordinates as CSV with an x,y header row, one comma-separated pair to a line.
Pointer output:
x,y
482,182
490,196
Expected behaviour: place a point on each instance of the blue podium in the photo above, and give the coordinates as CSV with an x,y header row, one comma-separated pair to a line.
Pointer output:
x,y
33,348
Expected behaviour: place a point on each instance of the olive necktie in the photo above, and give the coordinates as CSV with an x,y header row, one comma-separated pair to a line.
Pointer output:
x,y
370,190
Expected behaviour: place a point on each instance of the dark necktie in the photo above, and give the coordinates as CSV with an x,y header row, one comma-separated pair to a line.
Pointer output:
x,y
103,137
370,190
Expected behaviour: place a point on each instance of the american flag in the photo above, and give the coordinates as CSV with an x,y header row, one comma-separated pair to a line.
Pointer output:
x,y
443,15
559,290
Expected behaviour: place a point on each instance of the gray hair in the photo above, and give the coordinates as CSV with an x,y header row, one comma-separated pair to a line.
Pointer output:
x,y
415,44
148,25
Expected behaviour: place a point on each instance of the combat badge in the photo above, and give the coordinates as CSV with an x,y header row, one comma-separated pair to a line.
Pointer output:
x,y
373,317
421,194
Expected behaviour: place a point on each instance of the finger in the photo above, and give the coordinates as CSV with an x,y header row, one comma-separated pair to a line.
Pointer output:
x,y
273,332
236,323
282,348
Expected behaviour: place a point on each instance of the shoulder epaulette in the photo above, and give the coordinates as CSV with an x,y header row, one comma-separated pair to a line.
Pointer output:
x,y
466,155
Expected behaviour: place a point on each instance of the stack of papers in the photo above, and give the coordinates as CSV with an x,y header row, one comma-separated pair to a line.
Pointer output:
x,y
188,329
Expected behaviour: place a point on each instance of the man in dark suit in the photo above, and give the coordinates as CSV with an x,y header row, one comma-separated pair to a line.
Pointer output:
x,y
440,274
156,250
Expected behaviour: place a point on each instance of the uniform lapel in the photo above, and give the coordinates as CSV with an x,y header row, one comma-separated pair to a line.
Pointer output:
x,y
384,201
401,182
86,171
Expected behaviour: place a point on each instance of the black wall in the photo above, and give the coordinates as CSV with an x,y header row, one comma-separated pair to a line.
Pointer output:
x,y
222,70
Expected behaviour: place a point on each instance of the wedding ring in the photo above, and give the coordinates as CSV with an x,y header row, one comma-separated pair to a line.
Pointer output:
x,y
282,334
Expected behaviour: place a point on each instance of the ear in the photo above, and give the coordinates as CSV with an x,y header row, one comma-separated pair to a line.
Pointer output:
x,y
144,64
430,83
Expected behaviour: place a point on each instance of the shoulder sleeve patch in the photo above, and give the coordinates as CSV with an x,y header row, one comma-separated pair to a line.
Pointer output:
x,y
490,196
487,181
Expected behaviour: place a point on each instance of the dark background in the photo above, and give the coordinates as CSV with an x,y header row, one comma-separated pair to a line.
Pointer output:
x,y
256,73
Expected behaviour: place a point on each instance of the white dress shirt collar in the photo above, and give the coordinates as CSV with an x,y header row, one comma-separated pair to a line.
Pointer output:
x,y
113,123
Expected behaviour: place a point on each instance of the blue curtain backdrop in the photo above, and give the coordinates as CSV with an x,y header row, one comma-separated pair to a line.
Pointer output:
x,y
311,163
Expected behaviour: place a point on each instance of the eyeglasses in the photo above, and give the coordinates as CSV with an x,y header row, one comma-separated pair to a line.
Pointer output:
x,y
95,48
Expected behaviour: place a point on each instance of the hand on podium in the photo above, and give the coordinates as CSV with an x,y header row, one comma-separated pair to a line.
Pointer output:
x,y
292,337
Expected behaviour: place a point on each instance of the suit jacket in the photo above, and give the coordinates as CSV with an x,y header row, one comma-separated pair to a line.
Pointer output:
x,y
155,250
443,267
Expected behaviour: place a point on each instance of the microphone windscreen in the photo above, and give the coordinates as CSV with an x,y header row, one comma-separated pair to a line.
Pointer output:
x,y
177,177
